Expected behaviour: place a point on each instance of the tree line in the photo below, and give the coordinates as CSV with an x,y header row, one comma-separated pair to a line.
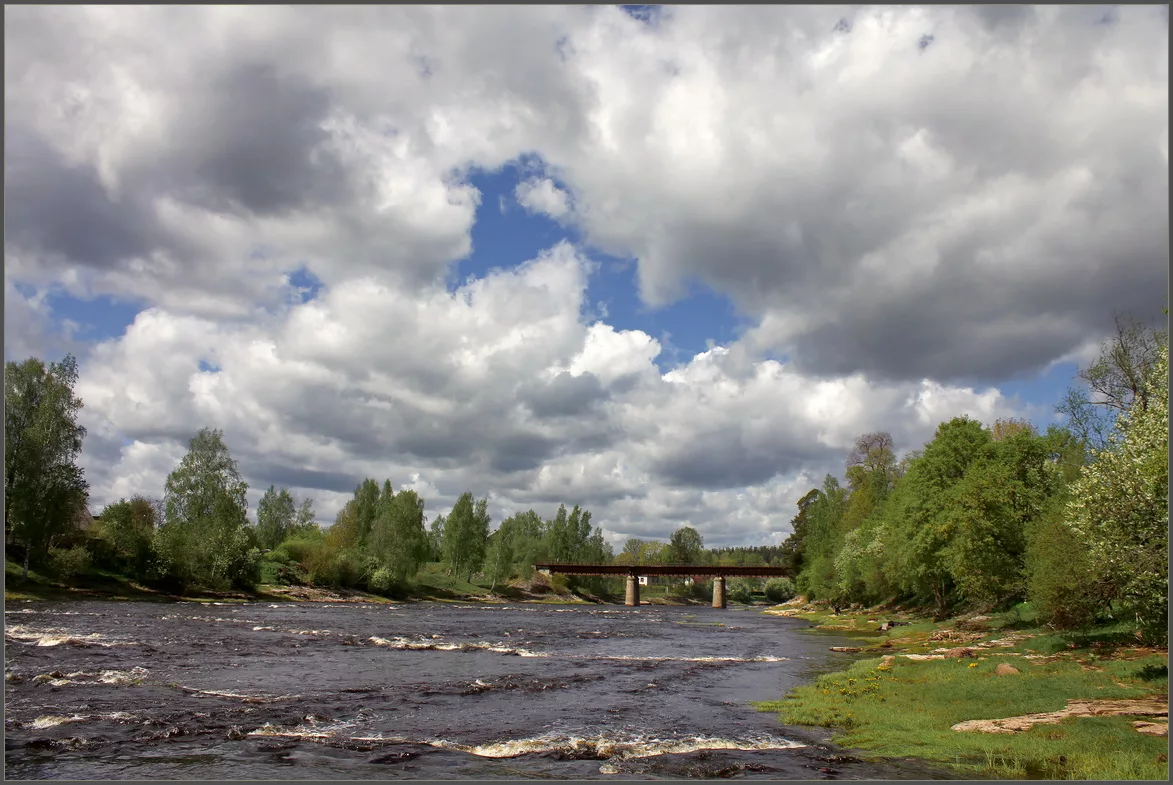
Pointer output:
x,y
1074,519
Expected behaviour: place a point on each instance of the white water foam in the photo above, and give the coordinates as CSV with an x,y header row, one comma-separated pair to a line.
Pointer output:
x,y
405,644
46,721
601,746
55,638
240,696
109,677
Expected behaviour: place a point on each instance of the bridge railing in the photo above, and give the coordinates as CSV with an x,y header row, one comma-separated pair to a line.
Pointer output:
x,y
677,568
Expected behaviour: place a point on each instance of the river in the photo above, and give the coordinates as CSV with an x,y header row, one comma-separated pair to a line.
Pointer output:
x,y
123,690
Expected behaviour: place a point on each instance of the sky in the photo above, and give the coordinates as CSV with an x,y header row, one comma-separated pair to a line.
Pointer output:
x,y
663,262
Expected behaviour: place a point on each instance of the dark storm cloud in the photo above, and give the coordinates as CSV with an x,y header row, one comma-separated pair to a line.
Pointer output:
x,y
265,474
565,395
717,459
520,452
253,137
61,208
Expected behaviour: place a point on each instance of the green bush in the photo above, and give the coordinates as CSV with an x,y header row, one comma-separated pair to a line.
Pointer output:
x,y
68,563
780,590
382,581
1064,582
271,572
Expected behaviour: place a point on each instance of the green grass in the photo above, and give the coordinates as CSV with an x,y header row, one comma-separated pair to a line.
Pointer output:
x,y
906,708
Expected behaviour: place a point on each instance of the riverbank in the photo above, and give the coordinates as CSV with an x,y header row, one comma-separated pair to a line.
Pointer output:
x,y
428,587
989,695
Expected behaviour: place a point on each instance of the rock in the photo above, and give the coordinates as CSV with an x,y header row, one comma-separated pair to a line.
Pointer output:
x,y
1075,708
959,653
1151,728
846,649
885,626
235,733
1006,669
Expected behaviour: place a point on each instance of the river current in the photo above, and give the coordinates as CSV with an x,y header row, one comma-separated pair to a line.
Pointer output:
x,y
121,690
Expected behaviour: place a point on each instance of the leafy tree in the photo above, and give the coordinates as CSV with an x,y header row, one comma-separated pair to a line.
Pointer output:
x,y
793,547
919,524
818,579
1120,504
204,538
466,533
276,517
872,459
780,590
1066,583
128,529
398,539
44,489
686,545
366,509
1002,495
1115,381
436,538
528,542
499,560
304,523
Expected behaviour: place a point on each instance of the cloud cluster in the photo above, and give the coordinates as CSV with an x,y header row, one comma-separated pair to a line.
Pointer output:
x,y
908,204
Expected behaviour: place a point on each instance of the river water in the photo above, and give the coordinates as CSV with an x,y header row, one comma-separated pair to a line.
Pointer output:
x,y
121,690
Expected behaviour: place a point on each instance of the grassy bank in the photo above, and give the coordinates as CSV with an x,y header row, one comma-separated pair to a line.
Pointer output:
x,y
886,703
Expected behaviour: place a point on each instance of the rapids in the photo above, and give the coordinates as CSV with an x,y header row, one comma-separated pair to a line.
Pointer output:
x,y
120,690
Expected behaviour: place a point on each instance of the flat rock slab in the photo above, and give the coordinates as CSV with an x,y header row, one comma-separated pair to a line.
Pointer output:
x,y
1076,708
1151,728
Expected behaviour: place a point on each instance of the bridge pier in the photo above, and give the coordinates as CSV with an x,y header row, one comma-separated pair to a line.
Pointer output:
x,y
719,591
632,590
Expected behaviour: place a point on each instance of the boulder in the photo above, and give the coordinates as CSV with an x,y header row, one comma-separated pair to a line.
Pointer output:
x,y
1006,669
960,652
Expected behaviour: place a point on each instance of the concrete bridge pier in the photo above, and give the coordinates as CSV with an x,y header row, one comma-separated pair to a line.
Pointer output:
x,y
718,591
632,590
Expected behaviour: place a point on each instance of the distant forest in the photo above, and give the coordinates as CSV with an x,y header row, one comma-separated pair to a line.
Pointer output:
x,y
1073,519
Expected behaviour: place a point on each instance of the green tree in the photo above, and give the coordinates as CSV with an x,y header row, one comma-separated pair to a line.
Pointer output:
x,y
499,559
366,509
45,491
466,533
1117,380
436,538
686,545
305,523
793,546
528,541
1003,494
204,538
1120,503
818,579
398,539
128,529
919,522
276,517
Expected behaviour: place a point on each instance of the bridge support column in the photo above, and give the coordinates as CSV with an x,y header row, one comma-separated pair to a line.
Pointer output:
x,y
632,590
719,591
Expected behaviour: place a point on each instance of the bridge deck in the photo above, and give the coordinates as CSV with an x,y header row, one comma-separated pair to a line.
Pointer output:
x,y
664,569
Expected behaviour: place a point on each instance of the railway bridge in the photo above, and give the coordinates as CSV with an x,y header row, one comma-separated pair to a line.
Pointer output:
x,y
634,571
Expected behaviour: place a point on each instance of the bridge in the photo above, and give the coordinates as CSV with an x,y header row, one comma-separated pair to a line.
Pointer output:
x,y
634,571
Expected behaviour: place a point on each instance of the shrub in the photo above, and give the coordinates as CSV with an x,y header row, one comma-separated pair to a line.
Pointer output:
x,y
382,581
780,590
68,563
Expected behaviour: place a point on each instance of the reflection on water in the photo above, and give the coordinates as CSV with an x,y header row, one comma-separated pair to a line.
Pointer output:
x,y
103,690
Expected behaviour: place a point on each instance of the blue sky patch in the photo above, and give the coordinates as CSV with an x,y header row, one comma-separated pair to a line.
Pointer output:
x,y
99,318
